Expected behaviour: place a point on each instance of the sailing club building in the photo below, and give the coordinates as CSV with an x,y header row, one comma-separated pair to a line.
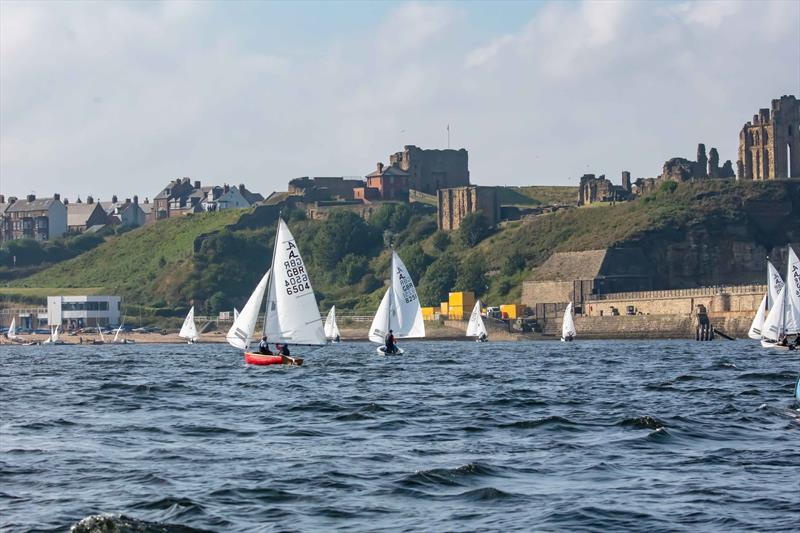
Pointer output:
x,y
73,312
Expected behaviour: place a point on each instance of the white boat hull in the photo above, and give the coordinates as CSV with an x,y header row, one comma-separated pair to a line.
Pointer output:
x,y
382,351
773,345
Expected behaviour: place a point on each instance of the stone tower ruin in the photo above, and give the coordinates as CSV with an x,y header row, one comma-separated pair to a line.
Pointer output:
x,y
769,146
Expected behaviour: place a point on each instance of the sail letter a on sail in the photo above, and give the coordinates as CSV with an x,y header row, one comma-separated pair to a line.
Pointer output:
x,y
775,284
399,309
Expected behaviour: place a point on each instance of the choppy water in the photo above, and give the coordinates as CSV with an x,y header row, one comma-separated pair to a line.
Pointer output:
x,y
667,436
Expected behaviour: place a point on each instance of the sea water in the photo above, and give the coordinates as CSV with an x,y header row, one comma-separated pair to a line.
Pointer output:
x,y
594,436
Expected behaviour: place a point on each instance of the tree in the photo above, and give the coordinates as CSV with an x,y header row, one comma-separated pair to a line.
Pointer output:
x,y
415,259
473,229
440,241
668,187
352,268
344,232
472,274
513,264
438,280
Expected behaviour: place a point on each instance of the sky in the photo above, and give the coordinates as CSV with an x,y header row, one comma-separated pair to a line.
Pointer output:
x,y
102,98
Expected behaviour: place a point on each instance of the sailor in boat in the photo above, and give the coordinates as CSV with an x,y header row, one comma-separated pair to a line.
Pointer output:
x,y
483,337
337,339
389,342
569,338
263,347
283,349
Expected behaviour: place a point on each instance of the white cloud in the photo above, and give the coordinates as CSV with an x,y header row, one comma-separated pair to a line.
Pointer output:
x,y
119,98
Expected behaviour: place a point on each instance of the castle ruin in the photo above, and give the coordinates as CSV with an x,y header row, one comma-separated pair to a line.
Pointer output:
x,y
431,170
456,203
769,146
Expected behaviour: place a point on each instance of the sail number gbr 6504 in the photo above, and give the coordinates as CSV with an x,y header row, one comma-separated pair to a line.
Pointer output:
x,y
296,280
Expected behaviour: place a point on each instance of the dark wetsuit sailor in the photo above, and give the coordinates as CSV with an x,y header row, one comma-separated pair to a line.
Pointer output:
x,y
483,337
283,349
389,342
263,347
337,339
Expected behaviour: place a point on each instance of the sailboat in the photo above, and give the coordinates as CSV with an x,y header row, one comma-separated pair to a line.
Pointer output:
x,y
331,329
291,314
189,330
568,325
399,311
774,286
784,315
475,327
54,336
12,330
117,340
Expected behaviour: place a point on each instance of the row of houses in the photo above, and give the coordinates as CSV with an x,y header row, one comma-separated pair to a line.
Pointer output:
x,y
49,218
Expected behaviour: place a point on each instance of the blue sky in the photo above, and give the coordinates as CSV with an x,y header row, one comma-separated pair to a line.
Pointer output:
x,y
109,98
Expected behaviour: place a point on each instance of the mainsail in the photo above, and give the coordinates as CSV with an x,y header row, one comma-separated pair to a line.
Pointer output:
x,y
116,334
189,330
792,287
292,315
331,329
568,324
475,327
775,284
758,320
12,329
241,333
399,309
774,326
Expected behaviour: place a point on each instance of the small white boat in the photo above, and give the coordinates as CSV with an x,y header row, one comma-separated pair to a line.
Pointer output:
x,y
568,325
331,329
12,330
54,336
476,327
189,330
118,340
399,311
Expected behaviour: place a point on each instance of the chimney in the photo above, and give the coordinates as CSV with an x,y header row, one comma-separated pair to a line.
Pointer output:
x,y
31,197
89,200
66,201
56,196
114,199
2,199
127,200
196,184
136,199
380,168
79,200
186,180
241,188
12,199
146,200
226,188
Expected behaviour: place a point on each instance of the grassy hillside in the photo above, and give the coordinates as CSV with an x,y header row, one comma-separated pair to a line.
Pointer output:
x,y
538,195
200,260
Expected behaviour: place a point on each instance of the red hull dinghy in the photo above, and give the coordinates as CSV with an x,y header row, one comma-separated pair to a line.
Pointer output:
x,y
262,360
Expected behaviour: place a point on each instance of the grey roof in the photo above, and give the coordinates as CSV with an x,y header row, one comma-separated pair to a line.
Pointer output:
x,y
592,264
95,228
78,214
146,208
23,204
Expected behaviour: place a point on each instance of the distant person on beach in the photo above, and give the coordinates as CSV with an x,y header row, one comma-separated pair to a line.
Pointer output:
x,y
263,347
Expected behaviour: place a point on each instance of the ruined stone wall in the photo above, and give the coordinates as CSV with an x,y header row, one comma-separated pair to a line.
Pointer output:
x,y
769,145
456,203
431,170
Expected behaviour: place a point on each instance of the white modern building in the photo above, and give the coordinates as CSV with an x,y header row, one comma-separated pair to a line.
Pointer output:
x,y
83,311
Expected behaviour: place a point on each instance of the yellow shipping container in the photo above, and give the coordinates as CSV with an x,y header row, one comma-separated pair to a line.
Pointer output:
x,y
428,313
462,299
456,312
512,311
443,308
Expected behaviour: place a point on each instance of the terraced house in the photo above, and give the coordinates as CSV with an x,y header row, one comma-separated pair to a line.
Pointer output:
x,y
32,218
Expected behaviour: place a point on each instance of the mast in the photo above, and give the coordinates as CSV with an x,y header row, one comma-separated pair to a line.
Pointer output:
x,y
391,291
272,273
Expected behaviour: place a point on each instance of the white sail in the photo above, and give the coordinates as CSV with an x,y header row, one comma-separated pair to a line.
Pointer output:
x,y
380,323
475,327
774,326
241,333
292,315
792,303
116,334
54,335
405,305
236,314
758,320
100,331
568,324
331,329
12,329
775,284
189,330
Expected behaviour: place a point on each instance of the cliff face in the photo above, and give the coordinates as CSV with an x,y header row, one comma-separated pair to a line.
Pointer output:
x,y
724,251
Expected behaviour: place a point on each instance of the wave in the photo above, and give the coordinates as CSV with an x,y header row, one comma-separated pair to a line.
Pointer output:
x,y
547,421
447,477
642,422
107,523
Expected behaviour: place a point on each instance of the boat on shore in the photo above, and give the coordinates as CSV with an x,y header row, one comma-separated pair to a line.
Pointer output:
x,y
291,315
399,311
